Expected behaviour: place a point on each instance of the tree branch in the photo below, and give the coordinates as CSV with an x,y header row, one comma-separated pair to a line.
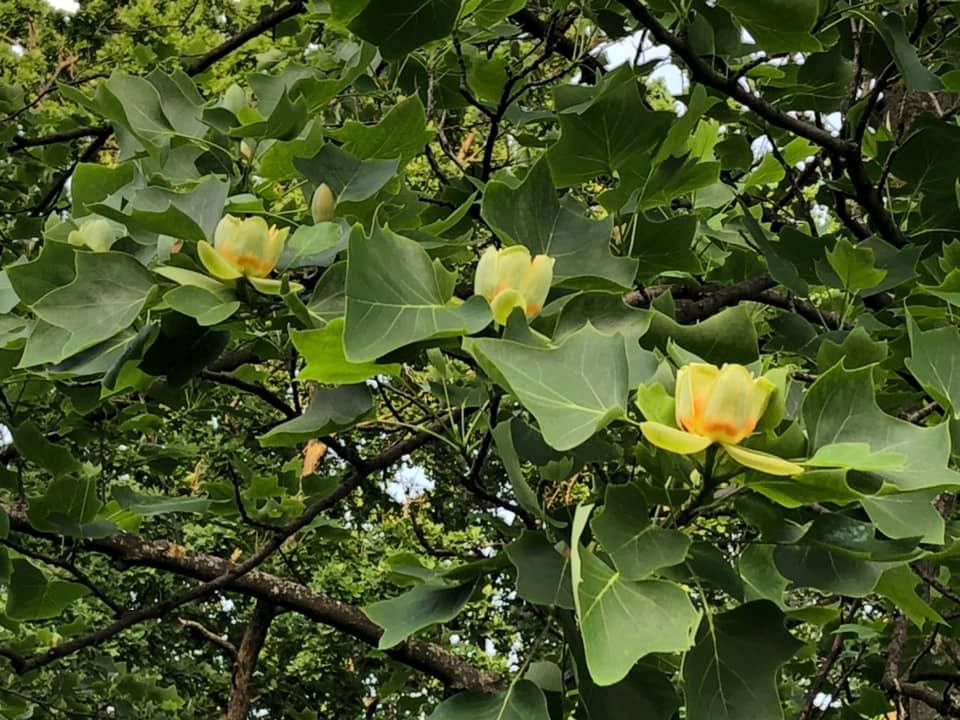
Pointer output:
x,y
254,637
162,555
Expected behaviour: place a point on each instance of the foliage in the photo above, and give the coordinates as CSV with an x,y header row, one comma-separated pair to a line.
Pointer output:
x,y
273,446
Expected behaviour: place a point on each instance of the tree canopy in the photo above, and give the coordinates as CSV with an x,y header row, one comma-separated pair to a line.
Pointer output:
x,y
480,359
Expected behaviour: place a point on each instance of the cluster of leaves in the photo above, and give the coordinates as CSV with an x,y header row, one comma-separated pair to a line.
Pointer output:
x,y
395,507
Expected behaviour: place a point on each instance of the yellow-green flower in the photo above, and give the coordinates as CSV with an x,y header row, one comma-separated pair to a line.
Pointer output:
x,y
510,278
719,405
96,234
242,248
323,206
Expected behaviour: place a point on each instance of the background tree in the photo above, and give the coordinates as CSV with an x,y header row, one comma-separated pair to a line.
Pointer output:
x,y
299,464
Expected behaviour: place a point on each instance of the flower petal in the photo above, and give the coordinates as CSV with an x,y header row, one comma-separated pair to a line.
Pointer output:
x,y
676,441
215,264
269,286
764,462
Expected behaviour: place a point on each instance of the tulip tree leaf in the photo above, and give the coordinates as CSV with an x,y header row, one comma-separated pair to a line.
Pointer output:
x,y
350,178
521,701
573,389
31,596
401,133
323,352
145,505
917,76
731,674
622,621
823,569
778,25
69,507
636,545
728,336
387,309
603,129
531,214
399,26
106,296
840,408
543,573
906,515
189,215
331,410
935,362
424,605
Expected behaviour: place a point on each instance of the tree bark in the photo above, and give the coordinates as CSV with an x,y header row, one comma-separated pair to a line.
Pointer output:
x,y
254,637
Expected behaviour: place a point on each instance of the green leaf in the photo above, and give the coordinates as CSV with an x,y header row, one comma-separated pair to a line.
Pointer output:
x,y
898,585
731,674
202,305
521,701
106,296
313,246
778,26
728,336
603,129
666,246
401,133
857,350
69,507
133,104
388,309
189,215
543,572
761,579
573,389
856,456
323,351
935,362
781,269
503,436
531,214
31,596
424,605
35,448
93,183
840,408
350,178
331,410
917,76
906,515
622,621
855,266
146,505
54,267
832,572
636,545
399,26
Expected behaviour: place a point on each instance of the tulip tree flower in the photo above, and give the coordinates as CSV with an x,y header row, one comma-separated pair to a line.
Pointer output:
x,y
96,234
323,206
510,278
244,249
718,405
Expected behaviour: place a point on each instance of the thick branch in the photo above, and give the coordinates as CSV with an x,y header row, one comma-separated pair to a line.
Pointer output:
x,y
246,661
166,556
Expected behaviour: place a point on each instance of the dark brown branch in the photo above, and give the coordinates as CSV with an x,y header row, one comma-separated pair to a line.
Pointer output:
x,y
731,87
265,24
252,388
254,637
65,136
133,550
200,631
590,68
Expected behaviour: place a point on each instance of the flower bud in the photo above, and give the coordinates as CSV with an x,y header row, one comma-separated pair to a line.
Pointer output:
x,y
323,207
96,234
247,150
509,279
241,248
